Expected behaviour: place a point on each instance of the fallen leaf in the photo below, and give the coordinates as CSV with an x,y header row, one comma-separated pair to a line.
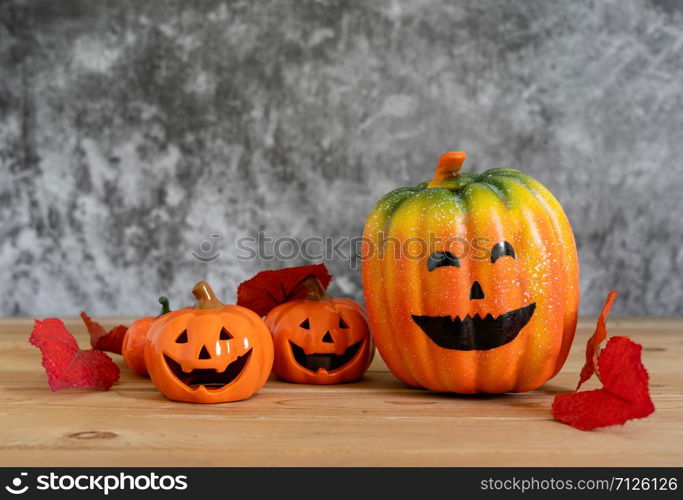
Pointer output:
x,y
269,289
624,395
66,365
596,339
111,341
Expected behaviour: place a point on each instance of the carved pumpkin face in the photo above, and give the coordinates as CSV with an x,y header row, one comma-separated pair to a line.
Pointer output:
x,y
489,301
211,353
320,340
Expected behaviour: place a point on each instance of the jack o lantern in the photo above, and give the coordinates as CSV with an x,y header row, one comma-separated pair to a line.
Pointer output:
x,y
471,281
320,339
211,353
133,348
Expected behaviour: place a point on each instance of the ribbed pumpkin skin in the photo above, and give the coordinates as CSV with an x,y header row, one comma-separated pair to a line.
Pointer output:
x,y
498,205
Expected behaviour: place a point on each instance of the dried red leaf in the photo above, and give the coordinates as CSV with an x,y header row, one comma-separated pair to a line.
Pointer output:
x,y
588,410
623,374
596,339
625,394
269,289
66,365
111,341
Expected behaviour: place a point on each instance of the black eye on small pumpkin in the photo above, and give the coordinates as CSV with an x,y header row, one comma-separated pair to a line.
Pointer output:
x,y
182,338
224,335
439,259
305,324
501,250
342,323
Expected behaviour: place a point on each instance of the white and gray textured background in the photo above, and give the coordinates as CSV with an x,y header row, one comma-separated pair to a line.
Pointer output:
x,y
132,130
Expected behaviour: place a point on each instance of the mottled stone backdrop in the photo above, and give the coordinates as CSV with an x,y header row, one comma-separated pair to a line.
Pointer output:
x,y
131,131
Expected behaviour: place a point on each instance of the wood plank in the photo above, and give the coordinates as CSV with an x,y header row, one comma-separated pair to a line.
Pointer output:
x,y
378,421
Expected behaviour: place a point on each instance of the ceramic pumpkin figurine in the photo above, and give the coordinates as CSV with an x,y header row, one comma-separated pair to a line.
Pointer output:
x,y
210,353
133,349
320,339
479,292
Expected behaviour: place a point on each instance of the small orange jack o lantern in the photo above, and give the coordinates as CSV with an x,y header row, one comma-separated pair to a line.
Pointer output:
x,y
211,353
320,339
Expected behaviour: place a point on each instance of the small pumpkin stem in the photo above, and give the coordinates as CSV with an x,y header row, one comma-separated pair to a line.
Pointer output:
x,y
165,307
314,289
206,299
448,167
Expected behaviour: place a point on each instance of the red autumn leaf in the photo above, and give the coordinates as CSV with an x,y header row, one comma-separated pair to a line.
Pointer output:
x,y
66,365
623,374
588,410
596,339
625,394
269,289
111,341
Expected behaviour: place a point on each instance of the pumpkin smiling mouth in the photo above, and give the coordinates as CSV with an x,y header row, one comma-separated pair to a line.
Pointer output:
x,y
209,378
329,362
474,333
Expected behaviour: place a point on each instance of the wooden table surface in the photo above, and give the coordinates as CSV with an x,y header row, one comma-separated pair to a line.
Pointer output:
x,y
378,421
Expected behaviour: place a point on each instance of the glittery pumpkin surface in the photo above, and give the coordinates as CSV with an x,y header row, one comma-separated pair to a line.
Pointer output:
x,y
468,219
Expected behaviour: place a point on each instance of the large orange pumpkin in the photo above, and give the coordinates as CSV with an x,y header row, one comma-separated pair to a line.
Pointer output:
x,y
133,348
471,281
211,353
320,339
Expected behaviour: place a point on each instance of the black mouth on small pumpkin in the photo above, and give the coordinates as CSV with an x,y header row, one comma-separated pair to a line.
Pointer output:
x,y
329,362
474,333
209,378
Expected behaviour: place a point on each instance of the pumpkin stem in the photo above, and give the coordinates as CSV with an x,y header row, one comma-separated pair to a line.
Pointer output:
x,y
448,167
206,299
314,289
165,307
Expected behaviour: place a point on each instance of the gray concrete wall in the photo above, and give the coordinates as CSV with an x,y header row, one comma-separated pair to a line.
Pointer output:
x,y
130,131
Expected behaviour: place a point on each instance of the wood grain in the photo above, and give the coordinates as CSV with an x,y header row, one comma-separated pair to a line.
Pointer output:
x,y
378,421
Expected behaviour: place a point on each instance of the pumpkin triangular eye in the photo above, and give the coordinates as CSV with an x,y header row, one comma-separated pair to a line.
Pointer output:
x,y
342,323
225,335
305,324
182,338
